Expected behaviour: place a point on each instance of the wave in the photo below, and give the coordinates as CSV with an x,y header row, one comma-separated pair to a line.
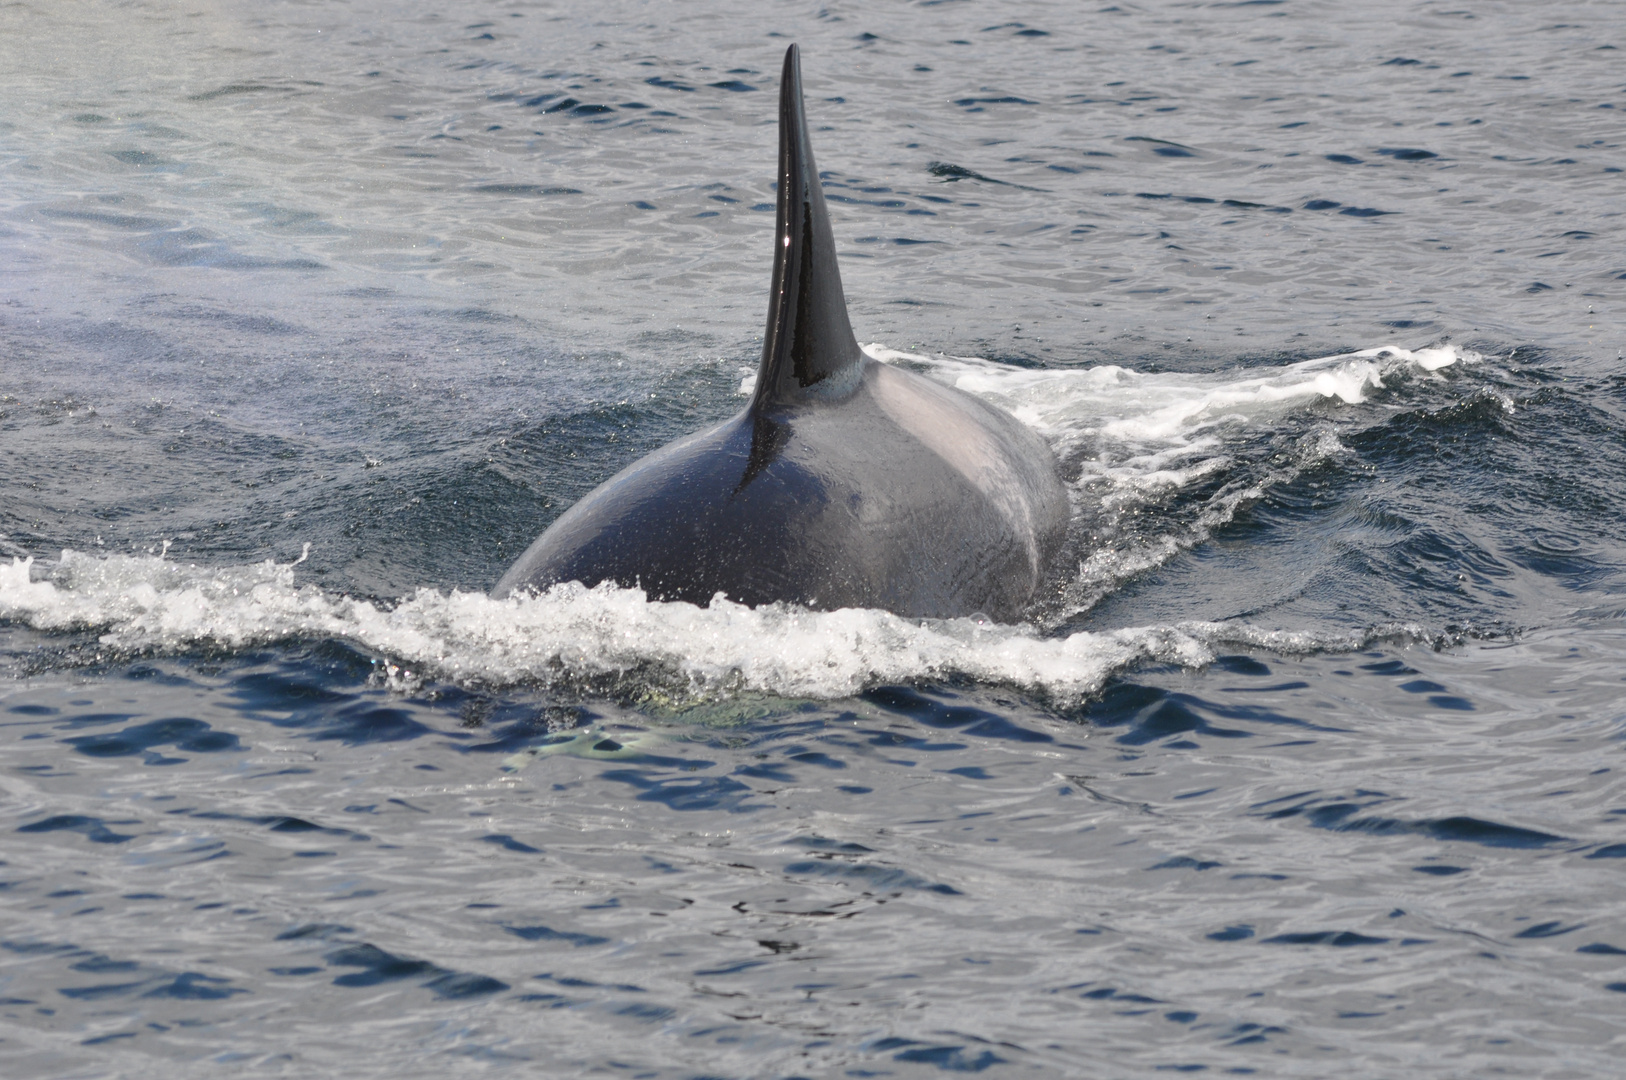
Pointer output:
x,y
1130,443
600,639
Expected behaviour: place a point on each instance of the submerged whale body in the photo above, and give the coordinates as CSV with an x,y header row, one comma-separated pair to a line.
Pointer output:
x,y
844,483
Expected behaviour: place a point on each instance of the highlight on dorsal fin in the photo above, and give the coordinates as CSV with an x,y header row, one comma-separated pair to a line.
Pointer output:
x,y
809,349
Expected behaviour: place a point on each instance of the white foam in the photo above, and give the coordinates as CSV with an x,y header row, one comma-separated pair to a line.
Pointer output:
x,y
573,636
1171,407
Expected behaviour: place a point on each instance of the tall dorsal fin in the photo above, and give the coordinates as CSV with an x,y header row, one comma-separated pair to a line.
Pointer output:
x,y
809,349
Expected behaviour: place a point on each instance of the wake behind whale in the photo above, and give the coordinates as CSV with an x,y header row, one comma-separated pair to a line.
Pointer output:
x,y
844,483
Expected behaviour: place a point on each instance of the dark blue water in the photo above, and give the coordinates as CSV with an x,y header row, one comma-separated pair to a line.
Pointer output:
x,y
312,318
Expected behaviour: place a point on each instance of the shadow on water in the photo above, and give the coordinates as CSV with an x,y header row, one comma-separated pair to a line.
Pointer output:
x,y
1149,714
1348,815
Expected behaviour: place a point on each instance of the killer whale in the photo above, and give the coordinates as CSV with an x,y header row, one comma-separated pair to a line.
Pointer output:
x,y
843,483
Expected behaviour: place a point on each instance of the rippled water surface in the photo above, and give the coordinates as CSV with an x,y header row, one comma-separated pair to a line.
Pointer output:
x,y
313,316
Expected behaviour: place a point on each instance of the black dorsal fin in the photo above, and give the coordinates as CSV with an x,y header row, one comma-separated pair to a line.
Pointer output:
x,y
809,349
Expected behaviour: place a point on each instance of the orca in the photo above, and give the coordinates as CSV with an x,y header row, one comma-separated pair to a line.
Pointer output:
x,y
844,483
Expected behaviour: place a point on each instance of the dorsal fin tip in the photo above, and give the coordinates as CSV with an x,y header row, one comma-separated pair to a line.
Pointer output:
x,y
809,348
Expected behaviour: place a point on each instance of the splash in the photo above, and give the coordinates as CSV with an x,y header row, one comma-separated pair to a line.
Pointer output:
x,y
604,638
1173,408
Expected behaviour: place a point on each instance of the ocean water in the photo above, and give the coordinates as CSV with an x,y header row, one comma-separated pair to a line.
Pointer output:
x,y
312,317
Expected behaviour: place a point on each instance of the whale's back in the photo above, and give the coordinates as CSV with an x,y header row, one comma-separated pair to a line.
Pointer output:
x,y
906,495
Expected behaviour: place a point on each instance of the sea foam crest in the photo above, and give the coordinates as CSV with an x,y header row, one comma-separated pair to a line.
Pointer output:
x,y
575,636
1175,409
